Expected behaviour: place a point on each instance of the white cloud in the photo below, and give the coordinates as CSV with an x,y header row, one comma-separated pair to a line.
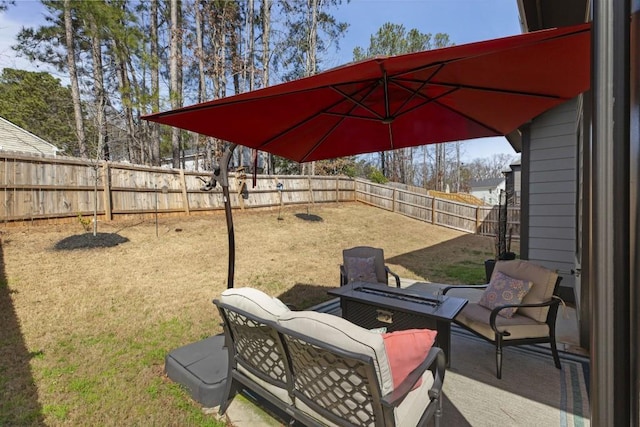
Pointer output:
x,y
8,57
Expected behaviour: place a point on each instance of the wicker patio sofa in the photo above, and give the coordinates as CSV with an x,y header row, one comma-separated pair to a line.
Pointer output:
x,y
321,369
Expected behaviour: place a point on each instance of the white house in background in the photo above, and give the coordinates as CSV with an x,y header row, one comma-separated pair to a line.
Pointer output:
x,y
487,190
14,138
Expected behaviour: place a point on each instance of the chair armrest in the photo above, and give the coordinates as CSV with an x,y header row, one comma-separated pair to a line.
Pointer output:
x,y
436,362
495,311
343,275
394,275
448,288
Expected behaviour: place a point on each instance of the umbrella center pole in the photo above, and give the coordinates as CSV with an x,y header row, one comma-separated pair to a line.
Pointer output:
x,y
224,182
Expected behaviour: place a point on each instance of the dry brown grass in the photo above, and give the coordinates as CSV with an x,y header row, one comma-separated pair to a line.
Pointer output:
x,y
85,332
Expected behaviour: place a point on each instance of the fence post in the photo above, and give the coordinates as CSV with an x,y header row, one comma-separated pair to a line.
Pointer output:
x,y
393,201
185,197
106,193
355,190
337,189
477,219
433,210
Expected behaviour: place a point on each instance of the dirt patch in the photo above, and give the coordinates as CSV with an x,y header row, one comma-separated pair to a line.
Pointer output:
x,y
88,241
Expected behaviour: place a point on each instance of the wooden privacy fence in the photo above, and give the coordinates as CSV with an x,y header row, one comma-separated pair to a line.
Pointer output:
x,y
36,188
44,188
419,205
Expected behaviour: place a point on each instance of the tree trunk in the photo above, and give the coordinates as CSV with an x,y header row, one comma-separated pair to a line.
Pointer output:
x,y
73,77
155,85
266,52
235,47
458,166
311,54
98,85
312,41
202,83
250,62
174,75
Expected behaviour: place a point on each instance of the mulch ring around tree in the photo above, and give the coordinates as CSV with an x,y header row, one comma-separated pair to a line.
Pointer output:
x,y
89,241
309,217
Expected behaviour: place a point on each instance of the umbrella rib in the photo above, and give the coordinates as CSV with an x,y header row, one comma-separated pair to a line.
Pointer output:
x,y
469,118
301,123
427,100
435,100
505,91
416,91
351,116
480,88
386,95
321,140
359,103
330,131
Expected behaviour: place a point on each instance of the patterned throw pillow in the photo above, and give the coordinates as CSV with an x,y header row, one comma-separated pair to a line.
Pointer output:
x,y
504,290
361,269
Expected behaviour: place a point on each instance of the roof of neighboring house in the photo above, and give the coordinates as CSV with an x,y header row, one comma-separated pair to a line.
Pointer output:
x,y
515,165
14,138
486,183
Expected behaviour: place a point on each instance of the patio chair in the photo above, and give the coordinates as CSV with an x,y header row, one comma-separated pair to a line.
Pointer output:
x,y
365,264
528,318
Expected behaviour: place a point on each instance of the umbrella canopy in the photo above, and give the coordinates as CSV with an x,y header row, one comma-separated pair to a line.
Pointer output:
x,y
456,93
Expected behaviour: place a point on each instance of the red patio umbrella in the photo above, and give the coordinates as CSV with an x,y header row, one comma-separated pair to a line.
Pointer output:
x,y
475,90
456,93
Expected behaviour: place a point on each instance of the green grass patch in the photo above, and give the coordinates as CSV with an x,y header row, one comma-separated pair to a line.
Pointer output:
x,y
183,402
464,272
85,388
59,412
59,371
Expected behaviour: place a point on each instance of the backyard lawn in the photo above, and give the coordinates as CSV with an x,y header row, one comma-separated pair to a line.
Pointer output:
x,y
85,331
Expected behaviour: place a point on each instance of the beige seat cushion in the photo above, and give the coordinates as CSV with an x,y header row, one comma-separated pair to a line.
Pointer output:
x,y
255,302
263,307
476,317
544,281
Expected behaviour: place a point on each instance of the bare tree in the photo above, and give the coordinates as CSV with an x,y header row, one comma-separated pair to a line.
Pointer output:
x,y
98,85
266,59
175,48
73,77
155,83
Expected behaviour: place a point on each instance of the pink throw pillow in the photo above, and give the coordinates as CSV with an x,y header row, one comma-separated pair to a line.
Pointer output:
x,y
406,350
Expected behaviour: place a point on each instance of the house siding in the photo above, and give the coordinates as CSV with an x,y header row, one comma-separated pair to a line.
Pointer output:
x,y
552,187
14,138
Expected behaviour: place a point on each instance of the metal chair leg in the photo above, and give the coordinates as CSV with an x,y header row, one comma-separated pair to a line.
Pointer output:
x,y
499,357
554,351
438,415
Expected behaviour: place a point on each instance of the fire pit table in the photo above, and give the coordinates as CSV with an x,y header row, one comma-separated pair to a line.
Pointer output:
x,y
372,306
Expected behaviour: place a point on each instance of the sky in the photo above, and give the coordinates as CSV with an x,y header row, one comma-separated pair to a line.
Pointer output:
x,y
465,21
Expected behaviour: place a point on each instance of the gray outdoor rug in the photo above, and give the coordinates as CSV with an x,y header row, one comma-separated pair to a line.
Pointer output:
x,y
532,392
